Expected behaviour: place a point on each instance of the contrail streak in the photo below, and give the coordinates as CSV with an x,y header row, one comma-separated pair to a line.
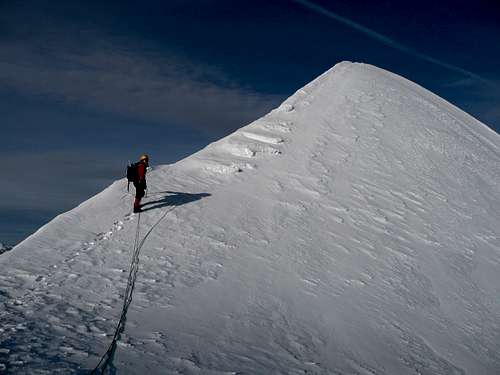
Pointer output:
x,y
386,40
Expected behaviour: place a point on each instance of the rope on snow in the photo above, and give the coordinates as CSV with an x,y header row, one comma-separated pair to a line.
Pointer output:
x,y
134,267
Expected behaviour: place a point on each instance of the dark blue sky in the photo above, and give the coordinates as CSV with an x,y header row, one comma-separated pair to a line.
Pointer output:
x,y
87,85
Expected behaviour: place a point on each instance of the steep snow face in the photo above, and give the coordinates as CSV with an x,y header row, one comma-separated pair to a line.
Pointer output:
x,y
353,230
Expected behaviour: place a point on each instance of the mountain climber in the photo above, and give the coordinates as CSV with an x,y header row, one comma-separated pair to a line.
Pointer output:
x,y
140,182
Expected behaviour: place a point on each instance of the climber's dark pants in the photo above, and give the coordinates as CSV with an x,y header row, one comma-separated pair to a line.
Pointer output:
x,y
140,191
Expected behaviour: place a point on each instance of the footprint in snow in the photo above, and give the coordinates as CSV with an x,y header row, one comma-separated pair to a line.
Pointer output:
x,y
263,138
118,225
286,108
129,217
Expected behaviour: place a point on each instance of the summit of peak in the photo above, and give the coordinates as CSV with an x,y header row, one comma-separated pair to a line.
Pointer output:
x,y
354,107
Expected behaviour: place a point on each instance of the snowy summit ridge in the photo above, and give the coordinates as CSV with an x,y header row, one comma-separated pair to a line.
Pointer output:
x,y
352,230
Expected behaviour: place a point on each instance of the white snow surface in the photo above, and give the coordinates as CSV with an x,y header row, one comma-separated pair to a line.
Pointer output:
x,y
353,230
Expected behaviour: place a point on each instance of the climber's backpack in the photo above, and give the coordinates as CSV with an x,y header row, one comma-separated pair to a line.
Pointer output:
x,y
132,175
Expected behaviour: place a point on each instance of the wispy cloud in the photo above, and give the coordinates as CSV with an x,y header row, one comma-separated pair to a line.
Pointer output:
x,y
387,40
129,77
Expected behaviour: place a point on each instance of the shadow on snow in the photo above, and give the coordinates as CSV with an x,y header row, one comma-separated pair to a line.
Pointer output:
x,y
174,198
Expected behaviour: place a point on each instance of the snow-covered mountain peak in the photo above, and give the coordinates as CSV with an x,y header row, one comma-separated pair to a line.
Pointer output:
x,y
352,230
364,101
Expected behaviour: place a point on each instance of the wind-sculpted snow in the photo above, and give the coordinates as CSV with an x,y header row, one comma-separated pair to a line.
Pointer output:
x,y
353,230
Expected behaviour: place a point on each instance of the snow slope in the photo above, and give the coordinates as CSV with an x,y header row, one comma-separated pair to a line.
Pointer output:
x,y
353,230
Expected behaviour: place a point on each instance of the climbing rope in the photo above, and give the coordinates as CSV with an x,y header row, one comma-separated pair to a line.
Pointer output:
x,y
127,299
